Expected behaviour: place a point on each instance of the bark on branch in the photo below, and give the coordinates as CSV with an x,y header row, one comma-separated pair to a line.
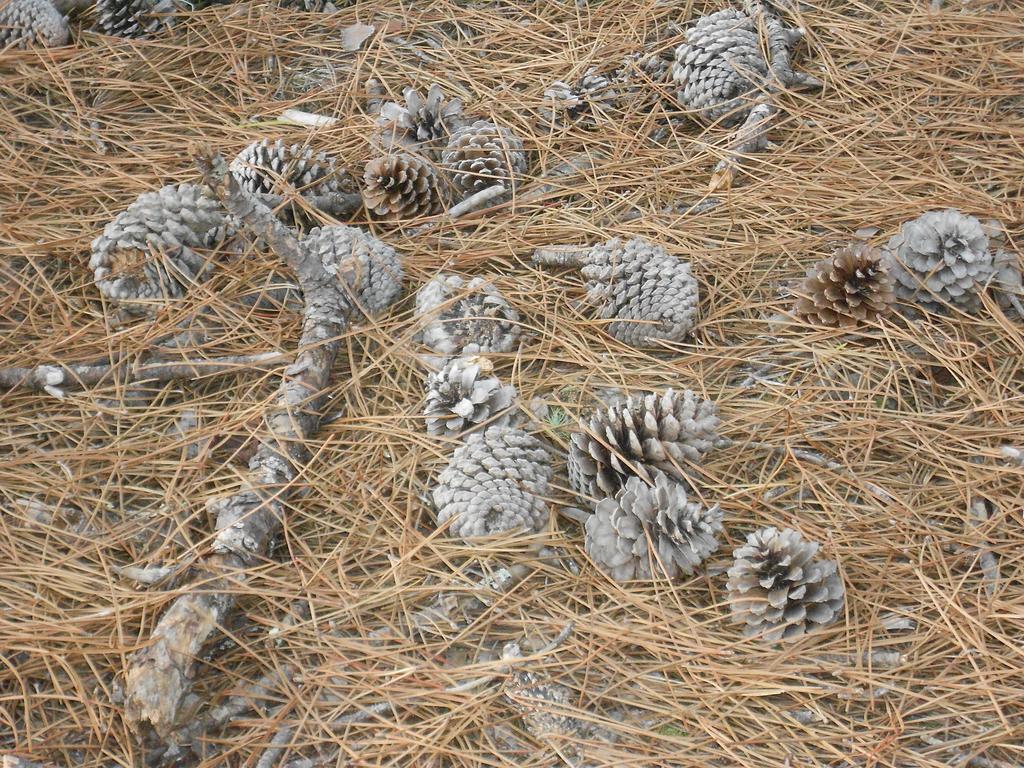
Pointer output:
x,y
160,675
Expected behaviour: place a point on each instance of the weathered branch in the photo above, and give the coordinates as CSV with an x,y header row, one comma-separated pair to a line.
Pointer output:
x,y
159,676
340,204
751,137
55,379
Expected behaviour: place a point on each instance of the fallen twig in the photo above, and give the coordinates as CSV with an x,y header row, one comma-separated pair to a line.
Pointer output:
x,y
56,378
159,676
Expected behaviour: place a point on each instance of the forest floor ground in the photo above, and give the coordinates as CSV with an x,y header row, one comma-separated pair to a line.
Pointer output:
x,y
921,109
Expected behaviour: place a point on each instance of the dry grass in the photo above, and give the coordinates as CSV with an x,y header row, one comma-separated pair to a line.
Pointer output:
x,y
921,110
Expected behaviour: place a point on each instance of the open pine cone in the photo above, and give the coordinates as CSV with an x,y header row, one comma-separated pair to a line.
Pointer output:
x,y
370,267
637,436
779,590
496,481
481,155
849,288
271,168
478,321
147,252
421,124
142,18
30,23
646,529
940,259
589,98
401,187
459,397
648,295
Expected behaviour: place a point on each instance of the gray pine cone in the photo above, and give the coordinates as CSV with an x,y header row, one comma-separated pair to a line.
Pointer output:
x,y
30,23
495,481
421,124
591,97
643,66
146,253
142,18
370,267
777,588
312,6
401,187
637,436
721,64
460,396
649,295
270,168
466,318
481,155
639,518
942,259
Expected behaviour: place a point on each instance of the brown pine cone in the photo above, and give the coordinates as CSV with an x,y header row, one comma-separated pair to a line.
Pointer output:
x,y
400,187
846,289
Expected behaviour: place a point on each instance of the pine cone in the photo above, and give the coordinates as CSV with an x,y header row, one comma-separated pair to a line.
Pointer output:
x,y
624,528
272,168
495,481
714,66
312,6
147,252
466,318
401,187
459,398
651,66
649,295
422,124
940,259
636,437
592,96
851,287
777,588
30,23
481,155
543,704
370,267
142,18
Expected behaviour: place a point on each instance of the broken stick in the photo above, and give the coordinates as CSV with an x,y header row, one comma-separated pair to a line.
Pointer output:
x,y
159,676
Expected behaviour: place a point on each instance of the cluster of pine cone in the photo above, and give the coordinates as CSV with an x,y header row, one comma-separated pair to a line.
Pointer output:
x,y
434,157
941,260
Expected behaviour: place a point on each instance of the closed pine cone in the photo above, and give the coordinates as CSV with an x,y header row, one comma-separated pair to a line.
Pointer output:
x,y
273,168
777,588
637,436
846,289
589,98
496,481
644,529
721,66
941,259
714,67
401,187
648,295
369,266
459,397
482,155
421,124
30,23
147,252
466,318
